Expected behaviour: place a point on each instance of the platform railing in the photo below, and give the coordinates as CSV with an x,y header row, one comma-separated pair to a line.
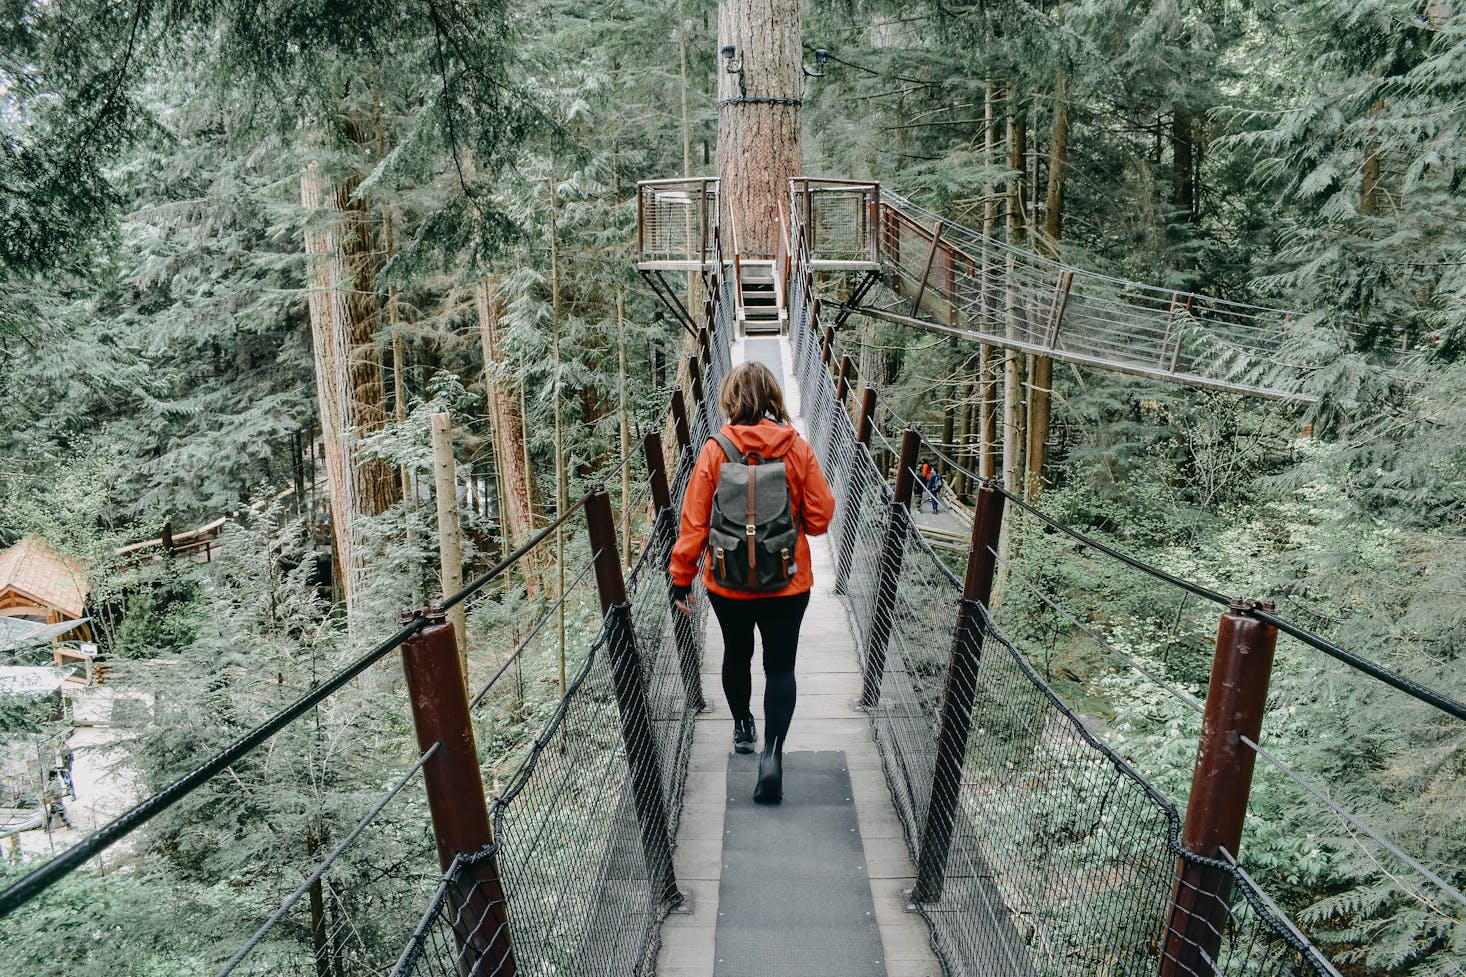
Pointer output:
x,y
952,277
840,218
674,222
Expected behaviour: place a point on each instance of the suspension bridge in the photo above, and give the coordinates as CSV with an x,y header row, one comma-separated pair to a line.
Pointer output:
x,y
946,810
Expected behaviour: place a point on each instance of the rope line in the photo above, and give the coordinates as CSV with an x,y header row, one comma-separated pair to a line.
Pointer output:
x,y
331,859
1410,687
535,630
1356,821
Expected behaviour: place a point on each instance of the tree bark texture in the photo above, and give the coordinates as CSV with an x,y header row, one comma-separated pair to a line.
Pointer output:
x,y
341,274
1369,183
1013,362
987,388
450,545
1040,377
515,482
1182,181
758,117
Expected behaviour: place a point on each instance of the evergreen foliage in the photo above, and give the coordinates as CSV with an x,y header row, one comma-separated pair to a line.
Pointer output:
x,y
156,367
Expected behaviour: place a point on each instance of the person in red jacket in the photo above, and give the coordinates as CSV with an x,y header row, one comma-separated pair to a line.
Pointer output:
x,y
757,422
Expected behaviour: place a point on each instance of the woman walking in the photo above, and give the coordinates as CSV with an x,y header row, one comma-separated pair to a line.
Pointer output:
x,y
755,497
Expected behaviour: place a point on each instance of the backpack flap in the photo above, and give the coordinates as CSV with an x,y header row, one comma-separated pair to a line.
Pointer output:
x,y
751,534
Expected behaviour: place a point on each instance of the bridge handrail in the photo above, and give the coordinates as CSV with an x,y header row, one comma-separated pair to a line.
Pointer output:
x,y
571,850
1416,690
55,869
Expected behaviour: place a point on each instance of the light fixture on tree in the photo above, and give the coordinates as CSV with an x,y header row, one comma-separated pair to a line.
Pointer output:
x,y
733,64
821,58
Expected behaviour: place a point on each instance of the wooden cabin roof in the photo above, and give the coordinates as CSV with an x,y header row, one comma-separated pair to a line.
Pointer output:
x,y
33,570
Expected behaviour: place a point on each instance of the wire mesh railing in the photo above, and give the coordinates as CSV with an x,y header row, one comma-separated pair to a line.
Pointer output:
x,y
579,873
988,290
674,222
1059,858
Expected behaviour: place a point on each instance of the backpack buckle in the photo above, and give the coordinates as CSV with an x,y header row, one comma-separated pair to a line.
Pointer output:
x,y
749,530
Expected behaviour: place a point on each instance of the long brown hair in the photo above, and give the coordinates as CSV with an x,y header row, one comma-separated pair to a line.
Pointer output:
x,y
750,392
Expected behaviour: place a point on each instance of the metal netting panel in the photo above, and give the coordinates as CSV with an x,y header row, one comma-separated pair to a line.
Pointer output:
x,y
675,219
669,647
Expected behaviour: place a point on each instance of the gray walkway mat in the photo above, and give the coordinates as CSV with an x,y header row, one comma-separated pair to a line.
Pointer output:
x,y
795,894
766,351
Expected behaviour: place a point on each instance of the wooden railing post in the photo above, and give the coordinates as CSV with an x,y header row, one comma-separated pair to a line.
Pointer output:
x,y
700,414
893,551
845,548
827,345
656,466
1220,783
679,421
455,789
689,657
842,385
957,699
642,755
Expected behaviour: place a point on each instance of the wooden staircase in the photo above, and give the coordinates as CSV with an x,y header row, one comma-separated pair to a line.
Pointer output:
x,y
760,303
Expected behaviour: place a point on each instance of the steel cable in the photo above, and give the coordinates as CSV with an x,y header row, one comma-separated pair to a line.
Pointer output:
x,y
325,865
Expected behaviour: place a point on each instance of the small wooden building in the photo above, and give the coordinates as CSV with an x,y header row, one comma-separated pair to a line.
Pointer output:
x,y
39,584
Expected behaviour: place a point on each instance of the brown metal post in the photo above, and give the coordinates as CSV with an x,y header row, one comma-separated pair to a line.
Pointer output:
x,y
642,754
867,415
707,347
845,548
679,421
827,346
689,656
694,370
1220,783
957,699
656,466
893,551
842,385
700,413
455,789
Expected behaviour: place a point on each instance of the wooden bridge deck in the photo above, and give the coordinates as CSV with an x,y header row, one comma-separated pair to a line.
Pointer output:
x,y
829,682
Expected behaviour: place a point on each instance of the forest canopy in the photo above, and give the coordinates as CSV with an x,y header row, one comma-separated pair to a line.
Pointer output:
x,y
249,250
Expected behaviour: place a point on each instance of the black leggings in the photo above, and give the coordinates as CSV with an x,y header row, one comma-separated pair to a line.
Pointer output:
x,y
778,620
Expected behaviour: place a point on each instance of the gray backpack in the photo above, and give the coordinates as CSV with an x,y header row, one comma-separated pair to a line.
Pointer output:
x,y
751,532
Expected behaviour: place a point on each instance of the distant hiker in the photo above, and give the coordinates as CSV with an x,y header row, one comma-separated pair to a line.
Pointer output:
x,y
923,483
933,485
756,494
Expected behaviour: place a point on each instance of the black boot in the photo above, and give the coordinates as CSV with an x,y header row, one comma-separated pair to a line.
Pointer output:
x,y
770,787
745,735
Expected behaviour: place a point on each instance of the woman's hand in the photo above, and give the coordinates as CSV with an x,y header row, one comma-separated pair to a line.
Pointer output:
x,y
682,599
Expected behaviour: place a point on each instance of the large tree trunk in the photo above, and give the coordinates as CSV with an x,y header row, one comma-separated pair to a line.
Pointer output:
x,y
758,116
1013,361
1183,193
1041,375
1369,184
988,357
341,278
515,484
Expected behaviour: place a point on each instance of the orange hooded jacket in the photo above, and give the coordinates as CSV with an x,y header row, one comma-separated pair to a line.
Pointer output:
x,y
809,498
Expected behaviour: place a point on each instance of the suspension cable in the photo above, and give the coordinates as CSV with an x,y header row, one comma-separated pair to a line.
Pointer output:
x,y
534,631
325,865
1415,690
